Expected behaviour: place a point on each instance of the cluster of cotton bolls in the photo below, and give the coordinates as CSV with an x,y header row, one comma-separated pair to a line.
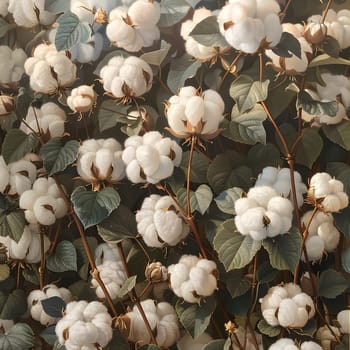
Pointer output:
x,y
193,278
329,192
336,25
16,177
292,65
162,319
192,112
249,25
326,337
43,204
35,306
343,319
84,326
110,269
322,234
82,99
287,306
100,160
49,70
28,248
193,47
159,223
279,180
11,64
48,120
125,78
263,213
289,344
151,157
135,27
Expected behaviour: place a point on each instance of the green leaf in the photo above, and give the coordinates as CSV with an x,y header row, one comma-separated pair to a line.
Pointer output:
x,y
4,272
204,196
70,31
311,106
79,246
49,335
331,46
284,250
217,344
235,250
246,127
345,259
309,329
17,144
207,32
331,284
12,225
5,27
172,12
266,273
226,200
195,318
339,133
181,69
20,336
127,286
237,282
157,57
199,167
120,225
261,156
325,60
15,305
57,156
246,92
64,258
342,172
110,113
93,207
53,306
268,330
228,170
287,46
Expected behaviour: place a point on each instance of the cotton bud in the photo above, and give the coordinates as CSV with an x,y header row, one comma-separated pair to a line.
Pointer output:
x,y
49,70
11,66
151,157
156,272
326,337
82,99
50,120
125,78
193,278
159,223
84,326
343,318
292,65
100,160
192,112
36,296
162,319
315,33
187,342
329,192
6,104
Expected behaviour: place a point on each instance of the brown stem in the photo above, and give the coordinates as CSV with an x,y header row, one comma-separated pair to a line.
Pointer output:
x,y
37,122
56,238
284,12
188,180
228,70
42,259
329,3
134,296
260,66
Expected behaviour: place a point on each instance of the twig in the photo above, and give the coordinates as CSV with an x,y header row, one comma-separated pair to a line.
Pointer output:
x,y
42,259
329,3
228,70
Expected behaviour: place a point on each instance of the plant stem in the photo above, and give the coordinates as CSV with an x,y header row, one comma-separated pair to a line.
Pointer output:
x,y
260,66
284,12
329,3
188,180
42,259
228,70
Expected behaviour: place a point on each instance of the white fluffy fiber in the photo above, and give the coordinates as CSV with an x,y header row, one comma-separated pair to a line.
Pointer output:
x,y
163,322
100,160
330,191
134,27
82,98
248,25
49,70
126,77
84,326
279,179
159,223
292,65
11,64
326,337
36,296
49,117
338,25
193,112
4,4
287,306
343,319
28,248
193,278
43,204
263,213
289,344
193,47
151,157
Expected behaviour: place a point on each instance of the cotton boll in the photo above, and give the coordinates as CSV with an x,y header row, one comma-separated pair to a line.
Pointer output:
x,y
314,247
243,204
261,195
82,99
326,337
285,344
287,312
310,345
11,64
144,13
343,318
330,236
280,205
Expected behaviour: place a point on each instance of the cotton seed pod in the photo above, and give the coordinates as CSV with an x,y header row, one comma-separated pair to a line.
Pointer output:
x,y
315,33
156,272
343,319
6,104
326,337
36,296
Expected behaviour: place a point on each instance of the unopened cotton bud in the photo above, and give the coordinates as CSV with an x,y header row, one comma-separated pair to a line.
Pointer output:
x,y
315,33
82,99
326,336
156,272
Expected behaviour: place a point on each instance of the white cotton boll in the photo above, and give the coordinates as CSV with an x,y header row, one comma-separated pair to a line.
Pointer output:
x,y
144,13
44,210
105,252
280,205
133,172
273,29
269,174
82,98
330,236
331,203
285,344
261,195
310,345
292,289
270,317
188,292
34,250
88,51
274,226
207,265
178,274
11,64
301,319
314,246
243,204
305,301
203,283
18,250
287,312
103,162
3,12
343,318
325,336
84,166
148,158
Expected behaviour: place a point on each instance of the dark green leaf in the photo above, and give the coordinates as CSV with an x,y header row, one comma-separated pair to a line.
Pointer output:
x,y
311,106
78,244
53,306
345,259
49,335
331,46
266,273
15,305
172,12
5,27
57,156
17,144
64,258
12,225
19,337
289,45
261,156
200,199
199,167
110,113
127,286
157,57
93,207
235,250
325,60
268,330
331,284
339,133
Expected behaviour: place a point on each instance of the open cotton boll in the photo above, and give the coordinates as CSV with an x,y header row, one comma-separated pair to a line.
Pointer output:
x,y
315,247
343,318
326,337
11,64
82,99
3,12
310,345
285,344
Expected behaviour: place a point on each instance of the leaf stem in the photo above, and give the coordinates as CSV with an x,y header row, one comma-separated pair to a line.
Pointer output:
x,y
228,70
